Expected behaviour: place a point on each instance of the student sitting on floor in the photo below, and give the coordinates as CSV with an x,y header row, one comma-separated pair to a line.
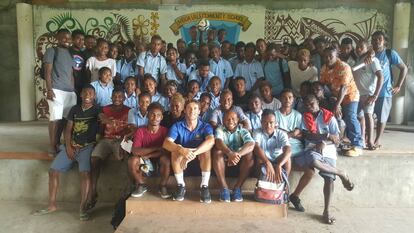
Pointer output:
x,y
103,87
80,137
148,142
115,122
234,146
321,133
272,147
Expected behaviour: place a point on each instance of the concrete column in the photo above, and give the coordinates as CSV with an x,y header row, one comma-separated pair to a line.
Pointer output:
x,y
24,13
400,38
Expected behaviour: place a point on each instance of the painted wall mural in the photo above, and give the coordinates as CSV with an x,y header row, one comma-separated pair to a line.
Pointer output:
x,y
242,22
297,25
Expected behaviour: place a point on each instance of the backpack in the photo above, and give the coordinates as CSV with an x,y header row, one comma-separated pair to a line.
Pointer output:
x,y
42,67
269,192
388,54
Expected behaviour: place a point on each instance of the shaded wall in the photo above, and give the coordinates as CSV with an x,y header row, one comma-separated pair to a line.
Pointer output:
x,y
9,68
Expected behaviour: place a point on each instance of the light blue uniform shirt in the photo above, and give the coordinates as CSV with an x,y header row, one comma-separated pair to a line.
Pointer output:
x,y
136,118
215,101
203,82
274,75
218,114
289,123
250,71
255,120
131,101
233,140
152,65
103,93
171,73
271,145
222,69
126,69
322,128
386,90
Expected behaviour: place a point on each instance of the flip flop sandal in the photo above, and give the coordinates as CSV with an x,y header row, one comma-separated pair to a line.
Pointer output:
x,y
84,216
43,212
90,205
348,185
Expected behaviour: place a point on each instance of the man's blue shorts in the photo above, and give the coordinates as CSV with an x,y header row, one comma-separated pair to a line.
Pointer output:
x,y
62,163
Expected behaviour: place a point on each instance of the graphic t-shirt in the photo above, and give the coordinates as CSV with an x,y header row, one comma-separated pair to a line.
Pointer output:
x,y
85,124
78,66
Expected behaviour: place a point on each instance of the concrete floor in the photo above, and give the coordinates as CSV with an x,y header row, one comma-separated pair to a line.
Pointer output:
x,y
379,220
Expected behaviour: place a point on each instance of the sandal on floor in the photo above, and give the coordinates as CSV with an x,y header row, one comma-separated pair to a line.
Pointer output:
x,y
84,216
43,212
328,219
371,147
347,183
91,204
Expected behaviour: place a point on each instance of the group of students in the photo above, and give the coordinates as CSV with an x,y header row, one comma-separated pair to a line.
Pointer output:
x,y
282,107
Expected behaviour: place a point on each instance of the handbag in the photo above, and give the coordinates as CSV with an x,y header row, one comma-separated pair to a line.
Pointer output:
x,y
271,192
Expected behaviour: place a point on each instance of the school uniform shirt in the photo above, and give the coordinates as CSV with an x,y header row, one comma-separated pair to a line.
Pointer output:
x,y
274,105
126,68
145,139
218,114
190,69
322,128
93,65
136,118
116,130
222,69
317,61
181,135
171,73
62,68
233,140
206,116
298,76
255,119
250,71
103,93
154,65
386,90
365,77
234,61
272,145
274,75
289,123
131,101
215,101
202,80
85,124
158,98
340,74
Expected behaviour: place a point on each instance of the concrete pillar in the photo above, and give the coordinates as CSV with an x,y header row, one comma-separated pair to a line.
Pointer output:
x,y
400,38
24,13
